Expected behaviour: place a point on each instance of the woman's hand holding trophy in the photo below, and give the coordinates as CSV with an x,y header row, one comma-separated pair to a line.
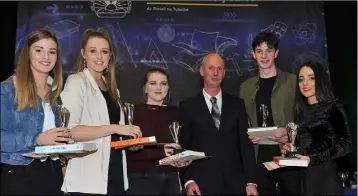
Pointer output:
x,y
60,135
129,112
289,149
174,148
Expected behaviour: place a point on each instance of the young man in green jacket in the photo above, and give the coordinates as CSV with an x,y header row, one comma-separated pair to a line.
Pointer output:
x,y
276,90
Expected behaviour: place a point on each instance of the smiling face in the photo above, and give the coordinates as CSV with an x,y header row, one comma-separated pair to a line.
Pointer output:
x,y
43,56
265,56
156,88
97,54
307,85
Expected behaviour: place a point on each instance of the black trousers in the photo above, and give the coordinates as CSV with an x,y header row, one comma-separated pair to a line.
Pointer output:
x,y
163,183
115,187
37,178
286,179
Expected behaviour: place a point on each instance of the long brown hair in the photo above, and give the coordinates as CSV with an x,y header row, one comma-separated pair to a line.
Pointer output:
x,y
109,75
25,86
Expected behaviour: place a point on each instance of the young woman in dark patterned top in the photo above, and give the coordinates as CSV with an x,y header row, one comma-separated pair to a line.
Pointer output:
x,y
323,135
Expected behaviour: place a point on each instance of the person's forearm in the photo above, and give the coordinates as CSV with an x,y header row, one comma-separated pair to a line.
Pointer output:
x,y
82,133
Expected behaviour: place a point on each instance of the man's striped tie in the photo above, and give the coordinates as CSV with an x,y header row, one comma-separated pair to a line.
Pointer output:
x,y
215,112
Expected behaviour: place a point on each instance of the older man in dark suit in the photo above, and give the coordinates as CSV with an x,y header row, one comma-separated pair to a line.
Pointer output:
x,y
215,122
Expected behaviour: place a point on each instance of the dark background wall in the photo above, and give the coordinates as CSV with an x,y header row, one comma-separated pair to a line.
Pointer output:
x,y
341,32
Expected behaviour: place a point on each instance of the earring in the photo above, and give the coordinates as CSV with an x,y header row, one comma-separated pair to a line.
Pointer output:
x,y
84,63
106,70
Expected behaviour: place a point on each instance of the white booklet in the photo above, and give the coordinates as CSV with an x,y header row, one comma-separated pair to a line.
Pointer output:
x,y
288,161
263,133
186,155
65,149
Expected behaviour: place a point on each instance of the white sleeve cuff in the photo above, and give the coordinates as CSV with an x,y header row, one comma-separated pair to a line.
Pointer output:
x,y
252,184
188,182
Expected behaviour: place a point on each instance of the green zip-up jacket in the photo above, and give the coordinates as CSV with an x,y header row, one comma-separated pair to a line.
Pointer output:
x,y
282,98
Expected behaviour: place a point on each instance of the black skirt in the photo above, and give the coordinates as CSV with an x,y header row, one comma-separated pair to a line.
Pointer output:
x,y
321,179
37,178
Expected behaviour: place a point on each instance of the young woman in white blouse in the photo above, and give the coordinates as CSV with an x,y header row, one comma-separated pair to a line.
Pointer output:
x,y
92,97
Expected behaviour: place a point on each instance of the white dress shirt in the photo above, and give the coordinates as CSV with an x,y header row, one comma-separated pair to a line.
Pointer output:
x,y
219,100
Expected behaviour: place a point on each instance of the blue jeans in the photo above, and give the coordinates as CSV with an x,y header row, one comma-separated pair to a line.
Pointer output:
x,y
162,183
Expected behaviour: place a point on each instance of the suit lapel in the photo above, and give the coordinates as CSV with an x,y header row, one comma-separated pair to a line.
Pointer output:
x,y
225,111
204,110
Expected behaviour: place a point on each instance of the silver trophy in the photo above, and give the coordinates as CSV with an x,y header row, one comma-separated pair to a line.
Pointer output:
x,y
174,131
291,133
64,118
343,177
265,113
129,112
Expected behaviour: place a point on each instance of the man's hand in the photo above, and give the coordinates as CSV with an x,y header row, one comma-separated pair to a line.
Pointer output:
x,y
192,189
280,137
254,139
251,189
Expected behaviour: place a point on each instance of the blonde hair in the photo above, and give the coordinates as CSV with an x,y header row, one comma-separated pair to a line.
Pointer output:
x,y
110,75
25,86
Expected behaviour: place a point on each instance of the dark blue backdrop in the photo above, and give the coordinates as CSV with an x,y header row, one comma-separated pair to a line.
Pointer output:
x,y
175,36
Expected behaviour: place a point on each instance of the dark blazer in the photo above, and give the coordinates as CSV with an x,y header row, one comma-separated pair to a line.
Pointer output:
x,y
232,162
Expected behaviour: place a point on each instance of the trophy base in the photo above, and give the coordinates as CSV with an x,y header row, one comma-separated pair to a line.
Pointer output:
x,y
290,154
177,151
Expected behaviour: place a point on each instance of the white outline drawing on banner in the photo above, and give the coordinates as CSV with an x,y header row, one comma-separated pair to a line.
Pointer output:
x,y
20,43
301,58
115,42
217,45
305,33
58,31
111,9
278,28
116,45
153,57
166,33
54,8
229,15
248,56
234,62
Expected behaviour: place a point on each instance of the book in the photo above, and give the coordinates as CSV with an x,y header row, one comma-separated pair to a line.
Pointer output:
x,y
258,129
132,142
288,161
272,165
263,133
65,148
186,155
35,156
